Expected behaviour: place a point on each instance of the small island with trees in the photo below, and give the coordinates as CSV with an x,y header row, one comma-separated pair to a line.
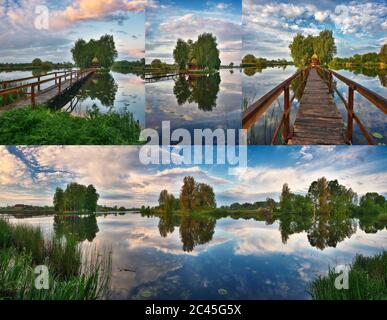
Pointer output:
x,y
191,57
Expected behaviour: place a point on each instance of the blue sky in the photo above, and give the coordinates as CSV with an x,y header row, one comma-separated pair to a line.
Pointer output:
x,y
269,26
21,41
30,174
166,21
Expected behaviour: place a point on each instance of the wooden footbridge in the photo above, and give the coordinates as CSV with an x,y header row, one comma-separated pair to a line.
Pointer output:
x,y
318,120
40,89
164,76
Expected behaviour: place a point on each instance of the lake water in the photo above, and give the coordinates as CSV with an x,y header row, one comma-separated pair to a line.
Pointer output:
x,y
108,91
196,102
255,83
199,258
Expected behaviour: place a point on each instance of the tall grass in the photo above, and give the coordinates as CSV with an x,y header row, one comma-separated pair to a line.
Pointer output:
x,y
367,280
74,273
28,126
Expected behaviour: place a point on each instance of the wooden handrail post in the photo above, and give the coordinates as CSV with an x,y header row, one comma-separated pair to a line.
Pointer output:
x,y
33,96
38,83
71,77
350,113
330,82
56,79
5,96
287,112
60,84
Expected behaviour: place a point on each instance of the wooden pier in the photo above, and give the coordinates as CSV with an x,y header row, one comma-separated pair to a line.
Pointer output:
x,y
29,91
318,120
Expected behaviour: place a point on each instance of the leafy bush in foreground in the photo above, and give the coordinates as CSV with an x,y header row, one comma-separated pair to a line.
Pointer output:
x,y
41,126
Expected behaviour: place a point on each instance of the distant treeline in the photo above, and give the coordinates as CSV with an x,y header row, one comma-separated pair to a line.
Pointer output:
x,y
36,64
124,65
76,197
115,208
323,196
249,60
370,59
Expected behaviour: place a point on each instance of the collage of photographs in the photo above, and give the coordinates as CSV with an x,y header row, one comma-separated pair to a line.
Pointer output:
x,y
193,150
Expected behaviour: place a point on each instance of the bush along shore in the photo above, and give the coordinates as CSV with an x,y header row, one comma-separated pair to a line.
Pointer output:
x,y
74,274
367,280
40,125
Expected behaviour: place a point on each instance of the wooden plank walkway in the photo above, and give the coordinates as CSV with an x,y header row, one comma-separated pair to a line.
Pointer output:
x,y
46,95
318,120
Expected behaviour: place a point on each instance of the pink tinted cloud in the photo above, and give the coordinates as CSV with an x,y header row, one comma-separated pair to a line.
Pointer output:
x,y
83,10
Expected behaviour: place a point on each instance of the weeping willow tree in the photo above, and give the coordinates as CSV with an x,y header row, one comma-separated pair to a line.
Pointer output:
x,y
302,48
102,51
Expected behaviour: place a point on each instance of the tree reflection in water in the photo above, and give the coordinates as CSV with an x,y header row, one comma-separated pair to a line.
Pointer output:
x,y
79,228
194,230
101,86
200,89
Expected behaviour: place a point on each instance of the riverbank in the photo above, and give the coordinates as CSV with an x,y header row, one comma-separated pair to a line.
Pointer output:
x,y
72,274
367,280
28,126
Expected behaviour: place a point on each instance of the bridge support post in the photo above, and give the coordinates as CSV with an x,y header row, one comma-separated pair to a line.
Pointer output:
x,y
287,114
33,96
350,114
5,97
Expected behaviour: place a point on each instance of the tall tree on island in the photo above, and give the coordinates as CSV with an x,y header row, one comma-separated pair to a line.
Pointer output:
x,y
187,193
302,48
103,50
91,198
206,52
383,54
181,53
59,200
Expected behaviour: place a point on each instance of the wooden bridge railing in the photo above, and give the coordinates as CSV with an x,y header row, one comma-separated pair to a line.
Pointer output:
x,y
258,108
58,77
376,99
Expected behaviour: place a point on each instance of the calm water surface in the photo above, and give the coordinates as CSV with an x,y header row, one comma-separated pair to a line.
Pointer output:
x,y
195,102
255,83
192,258
107,91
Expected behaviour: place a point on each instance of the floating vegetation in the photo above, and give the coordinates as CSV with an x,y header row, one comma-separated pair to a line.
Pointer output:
x,y
222,291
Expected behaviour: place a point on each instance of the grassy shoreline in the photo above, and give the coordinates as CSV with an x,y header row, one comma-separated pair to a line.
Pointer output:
x,y
367,280
73,274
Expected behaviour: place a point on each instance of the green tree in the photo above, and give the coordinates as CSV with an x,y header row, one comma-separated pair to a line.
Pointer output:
x,y
383,54
301,49
103,50
187,193
181,53
59,200
37,62
204,196
324,46
206,53
249,59
91,199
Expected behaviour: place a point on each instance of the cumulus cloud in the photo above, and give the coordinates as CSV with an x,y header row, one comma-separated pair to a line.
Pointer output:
x,y
165,25
35,172
83,10
277,23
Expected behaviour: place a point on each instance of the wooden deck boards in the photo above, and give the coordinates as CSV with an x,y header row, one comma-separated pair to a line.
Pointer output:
x,y
318,121
45,95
